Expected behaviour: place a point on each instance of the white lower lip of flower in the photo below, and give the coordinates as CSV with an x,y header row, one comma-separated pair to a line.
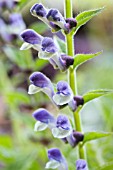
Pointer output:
x,y
44,55
39,126
61,99
61,133
26,46
33,89
52,164
37,47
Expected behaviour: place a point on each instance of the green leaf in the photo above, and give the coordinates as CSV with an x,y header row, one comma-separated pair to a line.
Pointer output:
x,y
6,141
95,94
88,136
39,27
81,58
85,16
60,44
17,97
22,58
40,64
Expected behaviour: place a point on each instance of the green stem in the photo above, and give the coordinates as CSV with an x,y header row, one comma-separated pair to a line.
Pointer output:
x,y
72,73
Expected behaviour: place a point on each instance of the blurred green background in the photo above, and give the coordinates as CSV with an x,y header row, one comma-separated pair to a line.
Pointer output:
x,y
20,147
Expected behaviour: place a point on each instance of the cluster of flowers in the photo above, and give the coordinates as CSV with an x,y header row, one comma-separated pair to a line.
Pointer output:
x,y
62,94
9,30
53,18
57,160
47,49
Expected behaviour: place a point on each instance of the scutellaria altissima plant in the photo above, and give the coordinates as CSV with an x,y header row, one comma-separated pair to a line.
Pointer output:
x,y
64,93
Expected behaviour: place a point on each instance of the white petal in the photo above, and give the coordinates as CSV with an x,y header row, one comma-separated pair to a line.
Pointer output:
x,y
45,55
25,46
39,126
33,89
60,99
37,47
52,164
61,133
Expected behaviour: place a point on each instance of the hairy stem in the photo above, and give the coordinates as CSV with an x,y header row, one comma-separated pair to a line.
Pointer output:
x,y
72,73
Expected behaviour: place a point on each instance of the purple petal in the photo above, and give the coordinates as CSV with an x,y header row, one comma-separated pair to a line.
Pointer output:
x,y
39,79
55,154
54,15
63,122
39,10
63,88
7,4
31,37
48,45
54,27
4,33
16,23
43,115
14,18
81,165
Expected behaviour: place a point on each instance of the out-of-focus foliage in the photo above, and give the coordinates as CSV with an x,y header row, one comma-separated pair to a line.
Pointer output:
x,y
20,147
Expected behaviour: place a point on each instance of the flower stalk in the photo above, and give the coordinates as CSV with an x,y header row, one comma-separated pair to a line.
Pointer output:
x,y
72,73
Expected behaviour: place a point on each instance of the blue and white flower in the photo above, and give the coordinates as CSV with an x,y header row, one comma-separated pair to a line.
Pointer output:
x,y
56,17
44,119
4,31
81,165
63,127
64,93
16,23
56,160
32,39
40,83
47,49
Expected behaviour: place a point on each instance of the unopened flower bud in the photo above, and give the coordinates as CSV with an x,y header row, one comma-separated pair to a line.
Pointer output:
x,y
38,10
71,22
